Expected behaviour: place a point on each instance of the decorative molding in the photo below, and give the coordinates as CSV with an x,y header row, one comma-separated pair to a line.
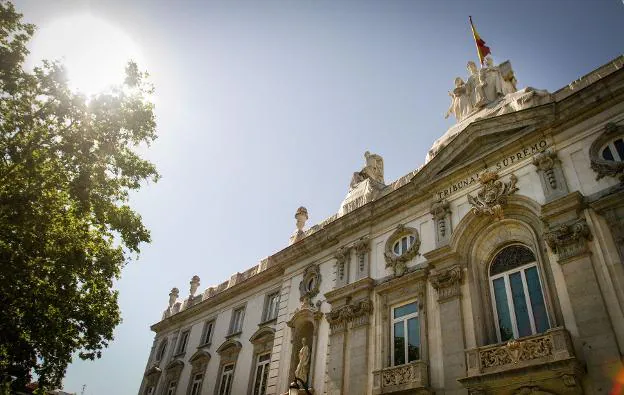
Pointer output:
x,y
399,262
441,212
601,166
569,239
309,286
356,313
362,250
493,195
548,166
343,257
447,282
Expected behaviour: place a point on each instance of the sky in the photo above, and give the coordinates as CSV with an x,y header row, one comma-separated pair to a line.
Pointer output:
x,y
265,106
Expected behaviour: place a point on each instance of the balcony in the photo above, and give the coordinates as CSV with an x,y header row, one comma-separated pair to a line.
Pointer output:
x,y
411,377
545,360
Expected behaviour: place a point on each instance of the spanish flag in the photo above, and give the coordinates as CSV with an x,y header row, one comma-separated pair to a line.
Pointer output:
x,y
482,49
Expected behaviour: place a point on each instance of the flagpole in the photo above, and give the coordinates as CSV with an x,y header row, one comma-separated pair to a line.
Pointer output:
x,y
474,37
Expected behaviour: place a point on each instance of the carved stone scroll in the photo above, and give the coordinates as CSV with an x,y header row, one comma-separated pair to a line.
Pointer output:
x,y
343,258
569,239
356,313
442,218
493,195
447,282
551,176
362,250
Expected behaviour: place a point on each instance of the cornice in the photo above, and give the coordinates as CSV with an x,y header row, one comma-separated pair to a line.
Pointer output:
x,y
569,206
266,275
364,284
418,275
441,256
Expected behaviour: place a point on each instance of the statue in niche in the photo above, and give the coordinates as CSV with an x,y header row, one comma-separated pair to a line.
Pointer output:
x,y
460,101
304,362
491,80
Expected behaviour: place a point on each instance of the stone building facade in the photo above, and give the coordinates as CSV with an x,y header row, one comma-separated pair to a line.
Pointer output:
x,y
494,268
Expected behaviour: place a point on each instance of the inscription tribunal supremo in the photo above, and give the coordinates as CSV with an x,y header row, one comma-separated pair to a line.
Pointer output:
x,y
501,164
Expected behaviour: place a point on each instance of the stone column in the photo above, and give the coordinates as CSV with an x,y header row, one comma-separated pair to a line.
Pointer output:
x,y
553,182
442,220
362,253
347,367
447,283
567,236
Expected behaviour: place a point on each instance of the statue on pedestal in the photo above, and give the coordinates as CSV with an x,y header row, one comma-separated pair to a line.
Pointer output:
x,y
304,362
460,101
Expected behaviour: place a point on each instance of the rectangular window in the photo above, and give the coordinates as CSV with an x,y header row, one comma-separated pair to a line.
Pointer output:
x,y
171,388
271,306
149,390
262,374
405,334
197,384
236,325
183,341
208,329
225,384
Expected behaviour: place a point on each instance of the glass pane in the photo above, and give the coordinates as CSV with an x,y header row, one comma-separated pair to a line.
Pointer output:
x,y
258,381
396,248
413,338
510,258
504,319
399,344
265,377
403,245
537,299
619,147
520,305
405,310
606,154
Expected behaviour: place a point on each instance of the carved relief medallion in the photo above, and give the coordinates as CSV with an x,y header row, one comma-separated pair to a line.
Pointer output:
x,y
493,194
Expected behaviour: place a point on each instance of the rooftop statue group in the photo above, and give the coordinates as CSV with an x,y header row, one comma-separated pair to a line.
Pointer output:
x,y
483,87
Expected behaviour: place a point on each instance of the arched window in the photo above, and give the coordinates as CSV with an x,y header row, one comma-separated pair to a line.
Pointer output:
x,y
517,296
161,350
403,244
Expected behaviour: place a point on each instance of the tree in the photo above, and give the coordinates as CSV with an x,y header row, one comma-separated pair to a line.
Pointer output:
x,y
67,165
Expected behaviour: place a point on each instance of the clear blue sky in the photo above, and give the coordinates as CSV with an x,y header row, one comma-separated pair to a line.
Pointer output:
x,y
266,106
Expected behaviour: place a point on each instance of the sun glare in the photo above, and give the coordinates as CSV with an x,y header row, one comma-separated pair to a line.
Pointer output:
x,y
94,51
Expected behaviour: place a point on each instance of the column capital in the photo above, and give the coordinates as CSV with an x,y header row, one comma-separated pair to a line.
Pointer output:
x,y
447,282
569,239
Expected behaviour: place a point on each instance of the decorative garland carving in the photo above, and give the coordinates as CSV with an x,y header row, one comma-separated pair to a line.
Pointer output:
x,y
399,262
600,165
309,286
569,240
342,256
493,195
440,210
357,313
362,247
447,282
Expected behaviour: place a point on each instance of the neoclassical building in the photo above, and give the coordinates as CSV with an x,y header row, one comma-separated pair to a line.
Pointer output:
x,y
494,268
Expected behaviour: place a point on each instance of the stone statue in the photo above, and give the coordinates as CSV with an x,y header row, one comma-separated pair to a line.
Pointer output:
x,y
173,296
194,285
491,80
460,101
301,216
472,83
304,362
374,167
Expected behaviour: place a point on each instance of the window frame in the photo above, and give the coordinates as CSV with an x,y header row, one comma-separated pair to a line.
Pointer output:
x,y
206,338
223,373
234,330
171,385
183,345
265,366
509,296
410,239
266,317
392,321
194,381
162,350
612,149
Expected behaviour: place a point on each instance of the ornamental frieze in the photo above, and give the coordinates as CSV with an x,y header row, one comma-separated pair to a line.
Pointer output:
x,y
493,195
570,239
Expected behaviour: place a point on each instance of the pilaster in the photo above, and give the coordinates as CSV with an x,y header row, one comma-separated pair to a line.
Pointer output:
x,y
567,234
447,282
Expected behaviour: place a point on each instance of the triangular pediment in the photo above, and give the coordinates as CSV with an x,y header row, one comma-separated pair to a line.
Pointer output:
x,y
482,138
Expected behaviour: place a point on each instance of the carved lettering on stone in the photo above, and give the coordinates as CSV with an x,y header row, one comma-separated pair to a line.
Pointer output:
x,y
570,239
493,194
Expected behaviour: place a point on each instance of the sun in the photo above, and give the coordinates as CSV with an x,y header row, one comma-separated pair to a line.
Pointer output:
x,y
94,51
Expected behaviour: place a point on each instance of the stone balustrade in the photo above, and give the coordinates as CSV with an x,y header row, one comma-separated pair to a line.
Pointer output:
x,y
411,376
552,346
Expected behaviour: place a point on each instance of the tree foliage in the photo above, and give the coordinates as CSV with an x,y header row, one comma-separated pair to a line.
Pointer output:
x,y
67,165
